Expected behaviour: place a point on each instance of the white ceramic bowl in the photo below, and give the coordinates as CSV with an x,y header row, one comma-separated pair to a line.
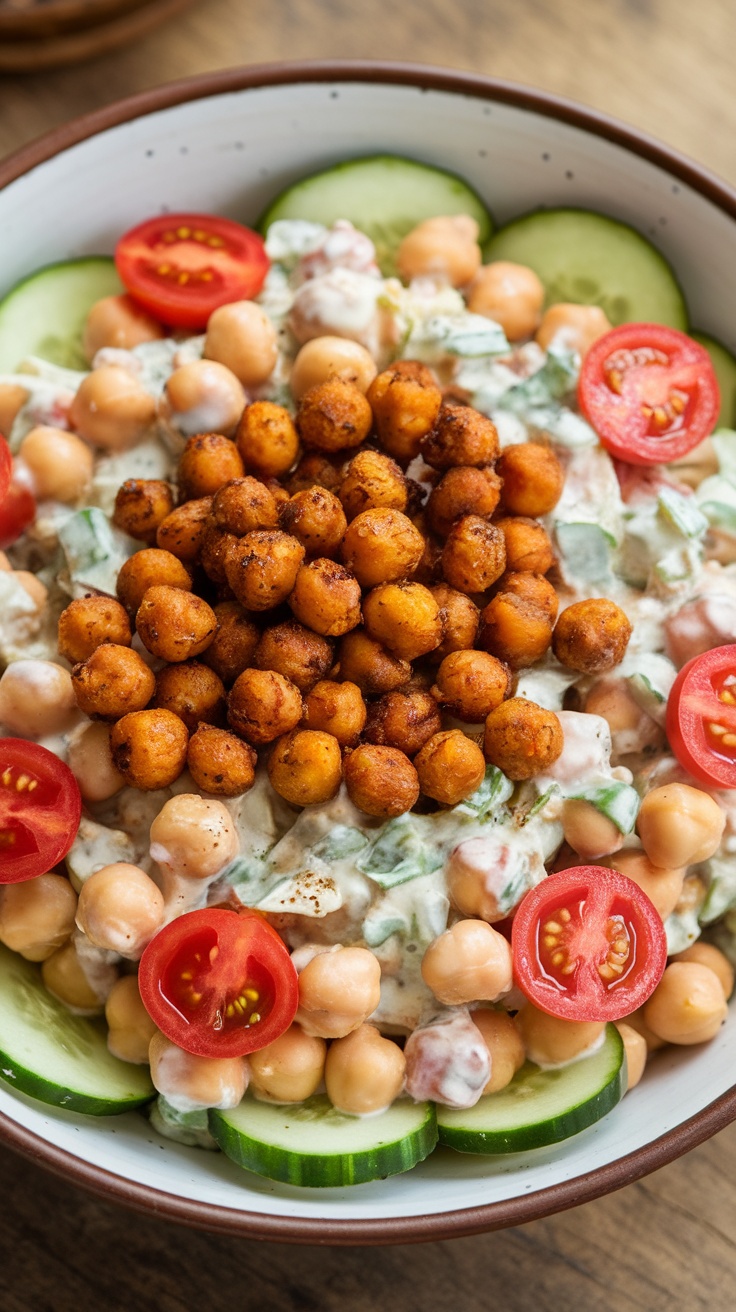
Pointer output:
x,y
229,142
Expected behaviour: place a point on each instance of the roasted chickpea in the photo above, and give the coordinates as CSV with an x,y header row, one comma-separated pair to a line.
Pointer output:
x,y
662,886
182,533
328,357
589,833
173,624
474,554
202,396
372,480
404,618
90,761
220,763
193,692
338,991
141,504
515,630
37,916
89,622
60,463
370,666
192,1083
193,837
528,546
65,979
504,1045
635,1049
241,336
243,505
214,551
36,699
120,909
381,546
450,767
687,1005
290,1069
406,720
534,589
262,568
111,682
463,490
149,748
111,409
267,439
591,636
118,321
294,651
337,709
406,401
441,247
326,597
316,519
206,464
550,1040
470,684
705,954
263,705
510,294
533,478
573,327
130,1028
333,416
305,767
522,739
232,648
679,825
471,962
461,619
364,1072
145,570
460,436
317,468
381,780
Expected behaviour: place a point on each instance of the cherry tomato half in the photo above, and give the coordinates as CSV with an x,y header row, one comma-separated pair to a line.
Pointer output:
x,y
701,717
588,945
40,810
17,511
6,467
181,267
219,983
650,393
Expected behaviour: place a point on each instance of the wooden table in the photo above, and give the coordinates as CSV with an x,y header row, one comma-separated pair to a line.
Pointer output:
x,y
667,1242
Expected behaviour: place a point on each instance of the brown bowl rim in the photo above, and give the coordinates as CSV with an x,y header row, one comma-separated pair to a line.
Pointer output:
x,y
490,1216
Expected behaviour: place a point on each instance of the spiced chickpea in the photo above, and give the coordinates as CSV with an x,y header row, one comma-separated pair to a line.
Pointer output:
x,y
463,490
470,684
474,555
219,762
290,1069
111,682
111,409
193,692
267,439
460,436
60,463
326,357
381,780
336,708
149,748
510,294
141,504
370,666
372,479
120,909
450,767
262,568
533,478
429,569
144,570
333,416
404,618
338,991
173,624
90,761
406,720
687,1005
461,619
294,651
182,532
381,546
241,336
573,327
551,1040
129,1026
532,588
663,886
277,490
118,321
89,621
202,396
315,518
470,962
326,597
515,630
305,767
528,545
317,468
705,954
231,650
37,916
591,636
522,738
263,705
364,1072
206,464
445,246
679,825
244,504
405,401
214,551
504,1045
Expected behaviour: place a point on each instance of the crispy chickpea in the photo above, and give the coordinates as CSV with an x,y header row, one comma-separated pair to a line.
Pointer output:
x,y
687,1005
305,767
243,505
443,247
450,767
635,1050
144,570
591,636
338,991
316,519
662,886
333,416
290,1069
182,533
326,597
533,478
364,1072
87,623
337,709
522,738
141,504
64,977
173,624
504,1045
381,546
328,357
406,401
460,436
220,763
404,618
206,464
12,399
36,699
37,916
130,1028
574,327
679,825
528,546
119,322
60,463
294,651
267,439
111,682
470,684
190,1082
262,568
471,962
474,555
120,909
461,619
462,490
534,589
406,720
510,294
111,409
317,468
90,761
370,666
231,650
589,833
214,551
381,780
550,1040
263,705
705,954
242,337
149,748
372,479
194,837
193,692
202,397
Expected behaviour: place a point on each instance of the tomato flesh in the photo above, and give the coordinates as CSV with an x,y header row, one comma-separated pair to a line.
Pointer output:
x,y
6,467
650,393
701,717
588,945
40,810
17,511
181,267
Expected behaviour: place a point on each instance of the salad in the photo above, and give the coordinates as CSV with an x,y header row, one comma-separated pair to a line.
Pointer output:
x,y
368,706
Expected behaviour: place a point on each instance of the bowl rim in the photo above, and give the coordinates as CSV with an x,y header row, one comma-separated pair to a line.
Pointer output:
x,y
506,1212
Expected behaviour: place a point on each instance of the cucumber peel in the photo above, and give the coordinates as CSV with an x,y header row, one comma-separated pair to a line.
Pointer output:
x,y
45,314
725,367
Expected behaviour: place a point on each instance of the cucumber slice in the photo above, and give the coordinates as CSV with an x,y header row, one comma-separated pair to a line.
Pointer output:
x,y
725,366
587,258
540,1107
311,1143
56,1057
44,315
384,196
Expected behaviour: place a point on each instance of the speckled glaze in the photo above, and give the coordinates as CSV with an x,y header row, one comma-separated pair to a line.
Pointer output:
x,y
229,142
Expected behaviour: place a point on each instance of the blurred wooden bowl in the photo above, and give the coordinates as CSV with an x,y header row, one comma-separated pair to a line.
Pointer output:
x,y
51,33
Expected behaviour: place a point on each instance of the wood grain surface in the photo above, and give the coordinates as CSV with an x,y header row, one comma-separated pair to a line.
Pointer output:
x,y
669,1241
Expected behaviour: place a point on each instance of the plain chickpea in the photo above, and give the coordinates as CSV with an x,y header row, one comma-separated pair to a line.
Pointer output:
x,y
589,833
550,1040
450,767
120,909
470,962
130,1028
90,761
64,977
688,1005
591,636
31,583
220,763
442,247
173,624
145,570
296,652
12,399
381,780
679,825
338,991
206,464
471,883
242,337
405,401
460,436
337,709
190,1082
267,439
243,505
36,699
263,705
232,648
111,409
510,294
60,463
182,533
368,664
119,322
364,1072
573,327
141,504
262,568
636,1052
663,887
612,700
635,1021
471,684
327,357
381,546
37,916
111,682
528,545
315,518
462,490
706,954
87,623
504,1045
193,836
326,597
202,397
461,619
474,555
405,720
193,692
149,748
290,1069
305,767
522,738
533,478
372,479
404,618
